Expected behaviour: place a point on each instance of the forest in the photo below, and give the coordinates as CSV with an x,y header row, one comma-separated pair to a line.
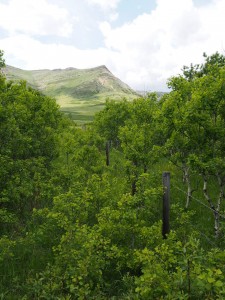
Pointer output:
x,y
81,206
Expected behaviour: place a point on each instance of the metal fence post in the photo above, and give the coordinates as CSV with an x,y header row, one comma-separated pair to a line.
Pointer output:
x,y
166,204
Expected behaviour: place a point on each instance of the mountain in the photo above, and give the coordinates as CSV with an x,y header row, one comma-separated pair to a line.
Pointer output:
x,y
79,92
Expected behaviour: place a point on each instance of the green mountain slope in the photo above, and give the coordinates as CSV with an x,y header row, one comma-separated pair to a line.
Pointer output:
x,y
79,92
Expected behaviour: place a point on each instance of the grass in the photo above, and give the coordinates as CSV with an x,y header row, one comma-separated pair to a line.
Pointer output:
x,y
82,111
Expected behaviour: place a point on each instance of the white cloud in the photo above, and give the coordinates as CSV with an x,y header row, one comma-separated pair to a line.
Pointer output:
x,y
105,4
34,18
113,16
144,53
32,54
155,46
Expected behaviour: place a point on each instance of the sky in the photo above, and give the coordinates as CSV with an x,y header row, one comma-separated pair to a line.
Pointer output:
x,y
142,42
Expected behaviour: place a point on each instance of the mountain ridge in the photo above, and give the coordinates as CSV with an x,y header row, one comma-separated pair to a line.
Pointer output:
x,y
43,77
79,92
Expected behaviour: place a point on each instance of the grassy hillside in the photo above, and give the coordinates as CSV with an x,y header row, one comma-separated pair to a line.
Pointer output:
x,y
79,92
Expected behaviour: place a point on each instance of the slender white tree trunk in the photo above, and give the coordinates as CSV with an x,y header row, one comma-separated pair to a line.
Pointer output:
x,y
187,180
216,209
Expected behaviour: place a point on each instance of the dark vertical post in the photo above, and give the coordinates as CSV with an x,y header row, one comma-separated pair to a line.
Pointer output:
x,y
107,153
166,204
67,158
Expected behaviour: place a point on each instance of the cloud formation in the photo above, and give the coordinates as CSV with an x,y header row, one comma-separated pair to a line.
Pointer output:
x,y
33,54
143,52
35,18
156,45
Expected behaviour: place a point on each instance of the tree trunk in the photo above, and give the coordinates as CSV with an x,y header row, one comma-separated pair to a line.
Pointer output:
x,y
133,187
215,210
220,197
217,223
145,168
134,182
188,182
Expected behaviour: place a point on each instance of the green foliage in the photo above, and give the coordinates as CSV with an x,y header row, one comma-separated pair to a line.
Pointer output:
x,y
176,270
2,61
194,125
72,227
77,271
30,123
109,120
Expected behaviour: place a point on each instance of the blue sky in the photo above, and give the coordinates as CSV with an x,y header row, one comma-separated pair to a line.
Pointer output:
x,y
143,42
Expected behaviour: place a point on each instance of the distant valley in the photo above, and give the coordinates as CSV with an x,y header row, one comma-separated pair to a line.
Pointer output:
x,y
79,92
